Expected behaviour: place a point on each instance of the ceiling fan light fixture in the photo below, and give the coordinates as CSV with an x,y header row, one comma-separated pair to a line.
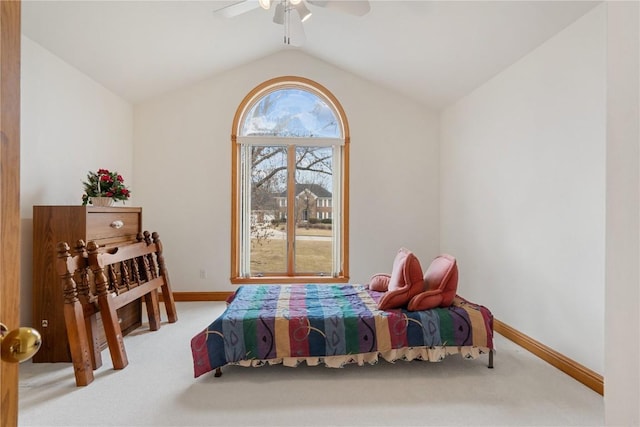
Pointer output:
x,y
278,16
295,2
303,10
265,4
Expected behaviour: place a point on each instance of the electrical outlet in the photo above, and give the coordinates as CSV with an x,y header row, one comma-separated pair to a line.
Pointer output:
x,y
203,273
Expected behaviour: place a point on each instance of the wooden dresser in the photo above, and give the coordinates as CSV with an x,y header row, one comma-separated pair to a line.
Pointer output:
x,y
107,226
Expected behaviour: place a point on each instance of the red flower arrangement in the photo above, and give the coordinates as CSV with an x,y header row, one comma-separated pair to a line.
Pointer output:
x,y
104,183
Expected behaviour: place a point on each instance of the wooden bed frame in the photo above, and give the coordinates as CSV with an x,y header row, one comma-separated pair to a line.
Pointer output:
x,y
102,280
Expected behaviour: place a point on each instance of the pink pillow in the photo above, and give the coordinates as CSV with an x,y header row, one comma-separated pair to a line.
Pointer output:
x,y
379,282
405,281
440,285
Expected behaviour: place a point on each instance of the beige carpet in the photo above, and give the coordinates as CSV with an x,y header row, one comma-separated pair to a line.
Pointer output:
x,y
158,389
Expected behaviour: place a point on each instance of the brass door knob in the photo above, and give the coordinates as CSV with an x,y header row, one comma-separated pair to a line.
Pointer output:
x,y
19,344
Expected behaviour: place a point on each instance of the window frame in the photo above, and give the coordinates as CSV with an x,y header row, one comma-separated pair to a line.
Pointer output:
x,y
245,105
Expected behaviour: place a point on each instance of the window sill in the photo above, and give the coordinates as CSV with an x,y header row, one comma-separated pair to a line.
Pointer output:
x,y
287,280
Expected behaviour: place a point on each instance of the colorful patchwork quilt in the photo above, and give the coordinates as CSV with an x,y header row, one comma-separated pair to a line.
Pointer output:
x,y
276,323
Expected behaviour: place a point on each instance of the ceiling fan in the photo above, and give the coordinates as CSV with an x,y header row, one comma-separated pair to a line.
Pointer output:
x,y
292,13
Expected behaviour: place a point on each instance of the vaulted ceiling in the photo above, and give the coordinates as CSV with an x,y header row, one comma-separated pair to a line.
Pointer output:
x,y
432,51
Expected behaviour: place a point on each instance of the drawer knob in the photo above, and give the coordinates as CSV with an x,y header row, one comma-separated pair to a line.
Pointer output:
x,y
117,224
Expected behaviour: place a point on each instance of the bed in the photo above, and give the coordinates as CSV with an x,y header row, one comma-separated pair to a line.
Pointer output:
x,y
335,325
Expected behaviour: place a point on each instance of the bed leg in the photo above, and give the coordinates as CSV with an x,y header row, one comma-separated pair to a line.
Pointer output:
x,y
218,373
490,366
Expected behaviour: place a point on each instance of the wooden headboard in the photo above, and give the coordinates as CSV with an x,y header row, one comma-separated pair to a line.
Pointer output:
x,y
102,280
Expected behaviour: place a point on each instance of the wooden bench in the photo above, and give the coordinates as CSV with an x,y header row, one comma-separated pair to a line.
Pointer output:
x,y
102,280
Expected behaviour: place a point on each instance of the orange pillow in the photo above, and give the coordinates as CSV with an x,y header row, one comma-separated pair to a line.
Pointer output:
x,y
405,281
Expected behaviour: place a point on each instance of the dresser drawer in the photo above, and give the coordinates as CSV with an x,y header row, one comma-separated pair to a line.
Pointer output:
x,y
112,226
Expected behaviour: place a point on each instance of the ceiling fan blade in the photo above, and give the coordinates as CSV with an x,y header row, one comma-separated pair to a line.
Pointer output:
x,y
237,8
351,7
296,34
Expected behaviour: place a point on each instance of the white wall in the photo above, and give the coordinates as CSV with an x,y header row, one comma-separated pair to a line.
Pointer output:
x,y
69,125
523,192
183,170
622,327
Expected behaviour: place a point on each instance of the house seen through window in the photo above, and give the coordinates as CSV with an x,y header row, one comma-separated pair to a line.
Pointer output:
x,y
290,185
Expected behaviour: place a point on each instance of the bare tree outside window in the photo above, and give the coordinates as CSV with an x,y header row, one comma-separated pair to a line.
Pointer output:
x,y
313,181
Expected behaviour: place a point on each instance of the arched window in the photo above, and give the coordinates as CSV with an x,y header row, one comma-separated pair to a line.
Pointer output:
x,y
290,207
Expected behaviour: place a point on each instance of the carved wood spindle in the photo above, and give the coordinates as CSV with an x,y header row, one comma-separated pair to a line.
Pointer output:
x,y
123,280
151,260
151,299
136,273
149,274
69,289
167,294
113,279
108,312
102,284
87,298
161,265
126,275
84,286
119,282
74,319
153,265
82,274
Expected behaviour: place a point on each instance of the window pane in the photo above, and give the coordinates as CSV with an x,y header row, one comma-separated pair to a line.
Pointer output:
x,y
314,237
291,113
268,218
288,217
